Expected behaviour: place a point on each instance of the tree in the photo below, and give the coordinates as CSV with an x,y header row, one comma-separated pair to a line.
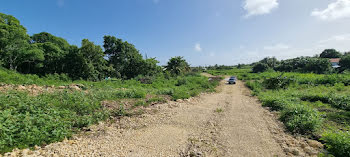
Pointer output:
x,y
55,50
318,65
305,64
54,58
14,41
124,57
260,67
177,66
150,67
345,62
330,53
93,64
44,37
89,62
271,62
33,59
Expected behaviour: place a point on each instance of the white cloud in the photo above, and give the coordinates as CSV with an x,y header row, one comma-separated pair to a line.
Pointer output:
x,y
259,7
277,47
336,10
198,47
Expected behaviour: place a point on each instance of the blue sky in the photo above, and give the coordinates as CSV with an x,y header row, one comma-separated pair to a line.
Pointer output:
x,y
205,32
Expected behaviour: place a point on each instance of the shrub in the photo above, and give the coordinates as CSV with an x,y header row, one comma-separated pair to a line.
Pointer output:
x,y
133,93
180,93
276,103
260,67
277,82
255,86
337,143
26,121
300,119
337,101
339,86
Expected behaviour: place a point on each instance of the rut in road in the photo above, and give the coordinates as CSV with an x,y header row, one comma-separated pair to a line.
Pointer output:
x,y
226,123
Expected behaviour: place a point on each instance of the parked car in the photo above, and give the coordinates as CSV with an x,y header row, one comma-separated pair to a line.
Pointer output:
x,y
232,80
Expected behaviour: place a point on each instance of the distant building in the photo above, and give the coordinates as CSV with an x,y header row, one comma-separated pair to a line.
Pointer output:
x,y
335,62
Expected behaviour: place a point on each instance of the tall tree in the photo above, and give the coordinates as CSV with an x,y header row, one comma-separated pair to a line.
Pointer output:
x,y
124,57
150,67
33,59
345,62
271,62
55,50
177,66
14,41
54,58
44,37
330,53
93,65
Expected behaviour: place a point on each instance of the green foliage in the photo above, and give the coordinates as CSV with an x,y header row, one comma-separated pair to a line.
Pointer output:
x,y
126,59
255,86
305,65
271,62
344,63
14,42
90,63
338,143
311,104
177,66
300,119
260,67
275,101
27,120
11,77
336,100
44,53
330,53
277,82
133,93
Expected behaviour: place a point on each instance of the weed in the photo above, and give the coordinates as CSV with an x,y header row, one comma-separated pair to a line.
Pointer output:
x,y
219,110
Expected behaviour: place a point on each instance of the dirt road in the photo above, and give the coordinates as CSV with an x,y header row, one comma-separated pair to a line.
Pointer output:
x,y
226,123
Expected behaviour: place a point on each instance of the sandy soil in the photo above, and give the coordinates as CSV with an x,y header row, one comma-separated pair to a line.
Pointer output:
x,y
227,123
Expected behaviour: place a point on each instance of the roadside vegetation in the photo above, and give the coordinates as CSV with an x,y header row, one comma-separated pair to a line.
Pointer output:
x,y
312,98
79,86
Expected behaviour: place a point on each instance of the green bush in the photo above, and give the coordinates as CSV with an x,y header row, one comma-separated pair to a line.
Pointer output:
x,y
255,86
276,103
26,121
337,143
180,93
277,82
260,67
300,119
336,100
133,93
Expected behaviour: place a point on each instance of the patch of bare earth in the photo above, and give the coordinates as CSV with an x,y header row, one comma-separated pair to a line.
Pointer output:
x,y
227,123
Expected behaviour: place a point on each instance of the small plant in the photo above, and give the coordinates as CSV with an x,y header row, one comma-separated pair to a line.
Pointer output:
x,y
219,110
338,143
